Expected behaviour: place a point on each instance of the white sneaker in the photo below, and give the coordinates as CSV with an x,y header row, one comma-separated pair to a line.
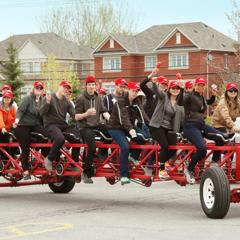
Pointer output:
x,y
148,171
189,176
48,164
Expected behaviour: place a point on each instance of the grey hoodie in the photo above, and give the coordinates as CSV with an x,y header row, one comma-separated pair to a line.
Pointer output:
x,y
157,117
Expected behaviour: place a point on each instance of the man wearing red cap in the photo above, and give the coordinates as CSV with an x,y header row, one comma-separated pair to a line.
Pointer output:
x,y
54,112
151,100
120,86
195,128
127,118
89,107
189,86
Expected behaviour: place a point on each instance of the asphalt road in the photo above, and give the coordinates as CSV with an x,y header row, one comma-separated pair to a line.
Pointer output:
x,y
101,211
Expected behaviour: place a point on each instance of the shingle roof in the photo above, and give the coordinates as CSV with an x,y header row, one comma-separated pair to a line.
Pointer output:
x,y
204,36
48,43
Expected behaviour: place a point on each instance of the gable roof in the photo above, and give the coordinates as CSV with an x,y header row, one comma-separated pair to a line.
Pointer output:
x,y
202,35
48,43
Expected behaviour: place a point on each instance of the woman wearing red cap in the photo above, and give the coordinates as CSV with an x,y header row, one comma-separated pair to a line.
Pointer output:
x,y
227,110
195,128
28,120
127,116
168,116
7,118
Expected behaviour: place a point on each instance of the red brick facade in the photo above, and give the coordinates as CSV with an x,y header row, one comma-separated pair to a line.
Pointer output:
x,y
133,65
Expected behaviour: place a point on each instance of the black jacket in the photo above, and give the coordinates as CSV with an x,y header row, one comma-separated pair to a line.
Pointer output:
x,y
151,99
195,106
126,116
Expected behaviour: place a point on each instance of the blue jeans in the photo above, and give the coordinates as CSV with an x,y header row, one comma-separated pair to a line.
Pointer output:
x,y
195,133
119,137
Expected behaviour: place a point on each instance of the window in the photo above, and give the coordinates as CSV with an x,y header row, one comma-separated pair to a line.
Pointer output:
x,y
111,43
178,38
225,61
31,67
26,90
150,62
110,86
178,60
111,64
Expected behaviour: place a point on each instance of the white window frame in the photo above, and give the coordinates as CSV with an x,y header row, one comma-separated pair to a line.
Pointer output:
x,y
178,57
111,43
149,65
178,38
106,66
31,67
110,86
226,61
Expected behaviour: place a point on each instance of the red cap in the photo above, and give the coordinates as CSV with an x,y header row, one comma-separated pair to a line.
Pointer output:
x,y
231,85
200,80
90,79
6,86
158,65
162,80
188,84
38,84
102,91
133,86
120,81
173,84
65,83
8,93
178,76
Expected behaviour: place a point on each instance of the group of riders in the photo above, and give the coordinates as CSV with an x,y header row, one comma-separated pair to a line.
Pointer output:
x,y
155,108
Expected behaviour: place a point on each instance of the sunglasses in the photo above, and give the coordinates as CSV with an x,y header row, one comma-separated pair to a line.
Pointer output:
x,y
175,88
233,90
39,88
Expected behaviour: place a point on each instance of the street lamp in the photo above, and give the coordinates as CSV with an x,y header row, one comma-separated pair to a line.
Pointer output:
x,y
208,59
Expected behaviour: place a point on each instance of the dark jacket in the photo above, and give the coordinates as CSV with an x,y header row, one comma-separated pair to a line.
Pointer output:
x,y
86,101
108,102
127,116
28,111
56,111
195,106
151,99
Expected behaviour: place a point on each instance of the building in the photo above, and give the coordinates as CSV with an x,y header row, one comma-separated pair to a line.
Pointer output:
x,y
192,49
34,50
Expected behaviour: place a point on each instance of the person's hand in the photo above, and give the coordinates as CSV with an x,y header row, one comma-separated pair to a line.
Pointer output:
x,y
48,98
133,133
15,124
91,112
214,89
236,129
154,73
4,130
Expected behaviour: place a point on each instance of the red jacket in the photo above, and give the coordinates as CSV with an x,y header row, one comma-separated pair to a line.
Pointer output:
x,y
7,118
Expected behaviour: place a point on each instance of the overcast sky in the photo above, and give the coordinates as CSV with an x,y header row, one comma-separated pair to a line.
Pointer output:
x,y
23,16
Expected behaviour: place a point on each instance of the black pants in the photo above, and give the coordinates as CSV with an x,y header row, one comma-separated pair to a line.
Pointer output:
x,y
5,138
88,136
55,132
164,138
23,136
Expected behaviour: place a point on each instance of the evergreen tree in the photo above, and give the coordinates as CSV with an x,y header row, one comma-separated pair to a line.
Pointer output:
x,y
12,71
